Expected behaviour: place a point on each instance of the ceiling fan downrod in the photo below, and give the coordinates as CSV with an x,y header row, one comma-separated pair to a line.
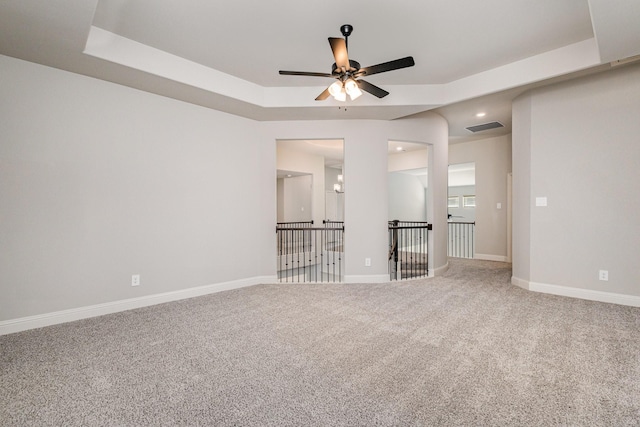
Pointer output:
x,y
346,31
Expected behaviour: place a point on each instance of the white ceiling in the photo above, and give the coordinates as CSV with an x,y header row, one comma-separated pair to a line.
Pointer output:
x,y
253,40
470,55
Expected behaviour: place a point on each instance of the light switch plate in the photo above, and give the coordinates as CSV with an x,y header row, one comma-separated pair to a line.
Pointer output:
x,y
541,201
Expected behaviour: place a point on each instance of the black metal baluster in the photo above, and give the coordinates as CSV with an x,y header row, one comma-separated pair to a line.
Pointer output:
x,y
341,248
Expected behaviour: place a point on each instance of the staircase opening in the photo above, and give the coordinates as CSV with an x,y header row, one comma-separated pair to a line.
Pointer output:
x,y
461,209
408,211
408,243
310,210
310,254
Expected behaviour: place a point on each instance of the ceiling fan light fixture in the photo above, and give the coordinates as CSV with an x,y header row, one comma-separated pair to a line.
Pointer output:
x,y
337,91
335,88
352,89
355,95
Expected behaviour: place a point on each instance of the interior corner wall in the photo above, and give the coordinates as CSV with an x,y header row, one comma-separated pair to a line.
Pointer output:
x,y
298,199
492,158
521,189
100,181
331,177
406,197
584,151
298,161
280,200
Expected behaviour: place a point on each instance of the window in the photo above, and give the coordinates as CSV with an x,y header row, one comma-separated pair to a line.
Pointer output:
x,y
453,202
469,201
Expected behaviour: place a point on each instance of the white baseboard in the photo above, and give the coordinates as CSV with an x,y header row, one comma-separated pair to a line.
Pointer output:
x,y
487,257
367,278
588,294
439,271
54,318
520,283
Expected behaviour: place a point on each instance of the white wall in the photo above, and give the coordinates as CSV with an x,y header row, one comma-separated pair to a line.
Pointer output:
x,y
578,144
492,157
99,182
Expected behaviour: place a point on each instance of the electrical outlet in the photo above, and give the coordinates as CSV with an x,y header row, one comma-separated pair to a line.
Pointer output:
x,y
367,262
603,275
135,280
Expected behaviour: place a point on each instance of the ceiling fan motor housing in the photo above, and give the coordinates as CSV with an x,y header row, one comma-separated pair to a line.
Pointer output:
x,y
354,66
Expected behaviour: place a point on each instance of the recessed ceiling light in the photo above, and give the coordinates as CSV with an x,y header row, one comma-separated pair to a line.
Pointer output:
x,y
398,148
481,114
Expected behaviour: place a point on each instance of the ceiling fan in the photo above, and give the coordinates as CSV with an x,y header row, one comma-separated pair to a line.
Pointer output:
x,y
348,72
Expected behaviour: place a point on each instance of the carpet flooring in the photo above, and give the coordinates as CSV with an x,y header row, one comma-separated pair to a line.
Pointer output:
x,y
465,348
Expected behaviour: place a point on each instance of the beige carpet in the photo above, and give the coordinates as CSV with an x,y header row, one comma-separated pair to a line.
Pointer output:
x,y
466,348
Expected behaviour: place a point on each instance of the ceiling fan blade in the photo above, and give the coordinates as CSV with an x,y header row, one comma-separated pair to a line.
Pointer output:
x,y
372,89
324,95
304,73
339,48
387,66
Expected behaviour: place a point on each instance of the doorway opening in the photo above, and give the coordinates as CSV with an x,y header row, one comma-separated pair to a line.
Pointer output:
x,y
461,210
408,210
310,193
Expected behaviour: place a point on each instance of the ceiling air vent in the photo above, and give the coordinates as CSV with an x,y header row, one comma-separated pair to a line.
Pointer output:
x,y
485,126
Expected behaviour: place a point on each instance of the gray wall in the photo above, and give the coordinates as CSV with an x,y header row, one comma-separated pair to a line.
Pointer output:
x,y
407,197
298,196
365,168
492,157
295,160
521,216
99,181
331,177
408,194
576,143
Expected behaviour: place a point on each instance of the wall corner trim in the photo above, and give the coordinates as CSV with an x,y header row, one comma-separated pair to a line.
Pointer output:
x,y
48,319
439,271
521,283
587,294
